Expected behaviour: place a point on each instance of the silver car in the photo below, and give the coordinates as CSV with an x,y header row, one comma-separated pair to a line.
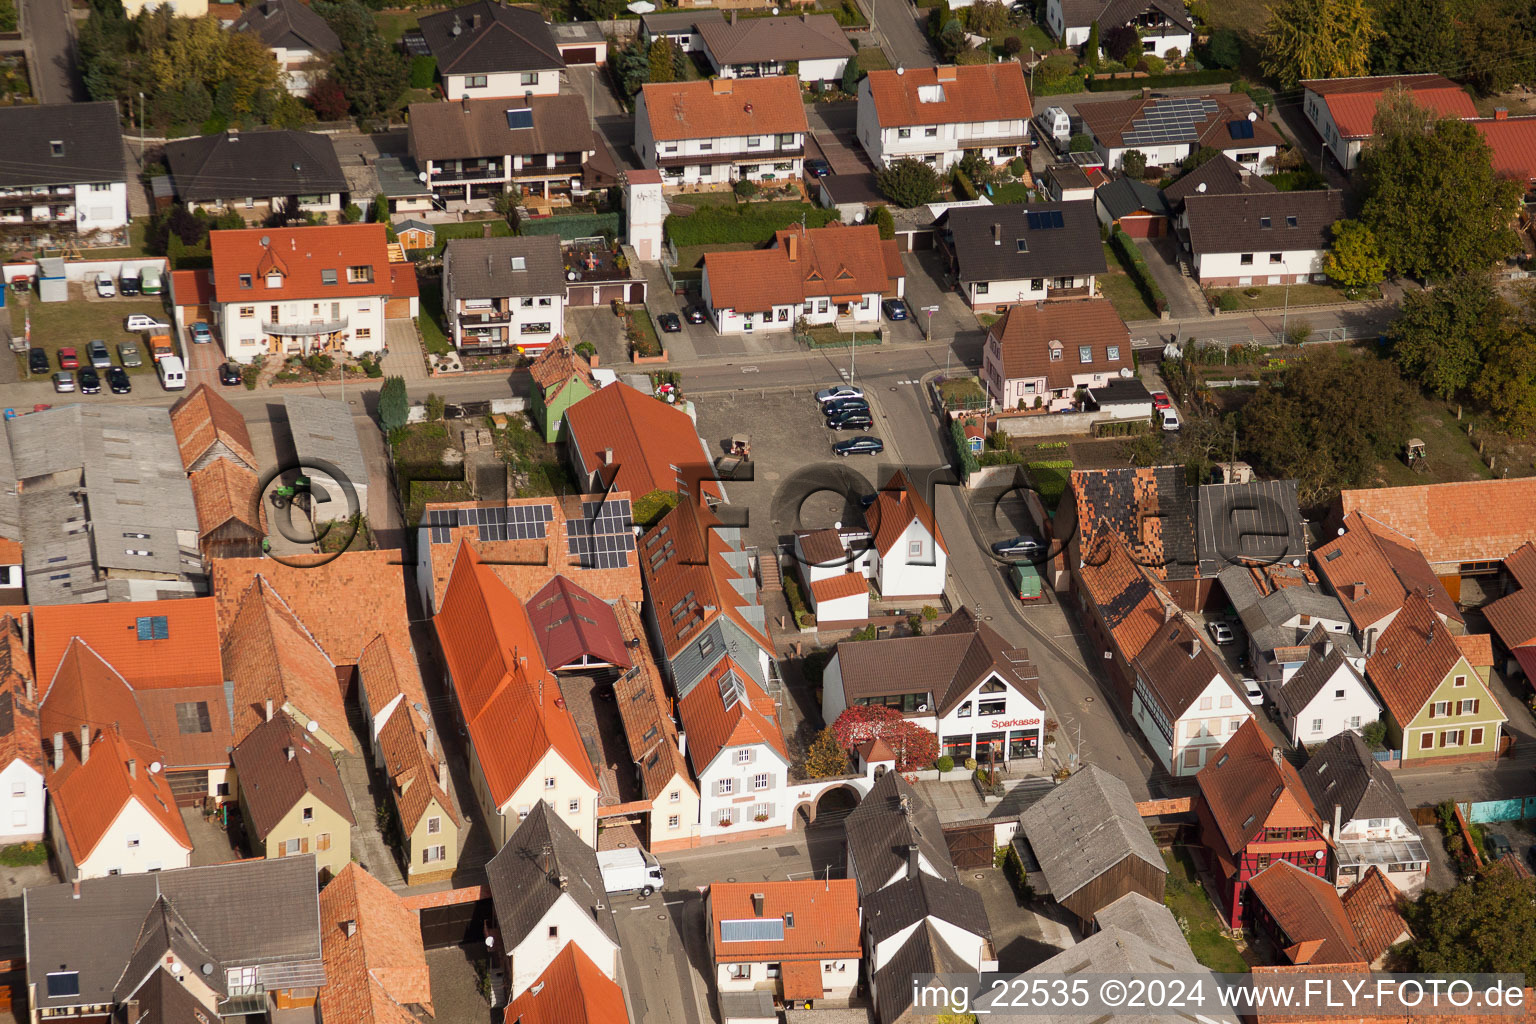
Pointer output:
x,y
64,381
96,352
128,353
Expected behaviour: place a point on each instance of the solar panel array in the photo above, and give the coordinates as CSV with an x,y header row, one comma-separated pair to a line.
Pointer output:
x,y
1041,220
602,538
520,117
763,929
516,522
1170,120
1240,129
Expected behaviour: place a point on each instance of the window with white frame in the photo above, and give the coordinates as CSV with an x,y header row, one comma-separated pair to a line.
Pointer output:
x,y
474,81
574,806
1317,725
671,821
675,796
740,972
744,756
725,787
434,825
133,842
529,78
549,782
432,854
760,780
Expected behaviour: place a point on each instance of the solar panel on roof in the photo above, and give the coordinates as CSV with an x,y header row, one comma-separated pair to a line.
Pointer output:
x,y
522,117
768,929
1240,129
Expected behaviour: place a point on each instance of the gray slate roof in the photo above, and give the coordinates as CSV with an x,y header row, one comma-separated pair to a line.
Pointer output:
x,y
254,164
662,22
90,138
753,40
1292,698
985,241
1084,827
924,952
1255,523
481,268
288,24
1343,772
1221,176
487,38
878,834
1125,196
250,913
916,897
1264,617
523,888
323,429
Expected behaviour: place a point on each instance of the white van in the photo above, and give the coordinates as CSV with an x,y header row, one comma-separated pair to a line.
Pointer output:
x,y
629,870
173,373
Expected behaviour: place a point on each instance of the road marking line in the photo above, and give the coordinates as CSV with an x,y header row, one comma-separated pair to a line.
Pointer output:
x,y
643,906
672,903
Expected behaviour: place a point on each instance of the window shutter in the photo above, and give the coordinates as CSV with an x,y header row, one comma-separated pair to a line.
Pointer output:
x,y
1476,703
323,841
304,845
1431,710
282,848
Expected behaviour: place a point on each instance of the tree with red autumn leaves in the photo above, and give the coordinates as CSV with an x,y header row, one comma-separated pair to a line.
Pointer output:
x,y
914,746
329,100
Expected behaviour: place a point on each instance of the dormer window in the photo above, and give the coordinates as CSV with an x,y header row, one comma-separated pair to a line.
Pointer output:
x,y
1264,223
327,277
56,147
245,280
360,275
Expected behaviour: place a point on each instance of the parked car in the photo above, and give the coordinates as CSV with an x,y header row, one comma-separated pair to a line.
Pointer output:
x,y
230,375
105,286
1498,845
841,405
1221,633
1255,694
1160,401
669,323
37,360
863,445
117,380
202,334
96,352
840,391
63,381
128,353
817,168
1170,419
1018,547
128,283
90,381
851,421
895,309
69,359
138,322
695,315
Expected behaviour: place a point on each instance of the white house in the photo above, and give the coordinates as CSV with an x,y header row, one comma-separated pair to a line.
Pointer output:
x,y
493,50
940,114
21,771
1012,253
504,294
1163,25
1166,129
547,892
1038,357
1365,815
812,47
831,275
922,925
1343,109
722,130
736,748
1261,238
796,940
298,38
480,148
1325,697
1184,699
65,174
287,291
679,27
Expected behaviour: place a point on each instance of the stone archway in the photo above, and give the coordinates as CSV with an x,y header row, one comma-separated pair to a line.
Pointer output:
x,y
831,805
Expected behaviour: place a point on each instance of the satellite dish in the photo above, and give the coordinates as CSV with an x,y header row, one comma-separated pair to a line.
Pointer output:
x,y
1125,371
1341,531
490,942
1253,115
1317,854
901,71
837,526
313,726
422,177
1200,187
154,767
207,968
570,275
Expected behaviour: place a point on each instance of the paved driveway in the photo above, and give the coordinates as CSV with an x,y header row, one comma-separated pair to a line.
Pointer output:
x,y
904,42
51,35
1184,297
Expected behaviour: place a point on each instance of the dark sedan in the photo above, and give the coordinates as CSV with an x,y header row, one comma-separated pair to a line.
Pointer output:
x,y
850,421
229,375
817,168
695,314
864,445
895,309
117,380
37,360
90,381
669,323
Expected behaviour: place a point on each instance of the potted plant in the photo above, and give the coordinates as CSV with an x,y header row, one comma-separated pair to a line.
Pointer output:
x,y
760,817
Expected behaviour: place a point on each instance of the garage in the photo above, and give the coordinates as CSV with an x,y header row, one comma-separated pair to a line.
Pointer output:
x,y
1139,209
580,55
397,309
578,296
581,43
1143,226
970,844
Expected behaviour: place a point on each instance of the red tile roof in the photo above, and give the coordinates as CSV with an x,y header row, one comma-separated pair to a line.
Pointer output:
x,y
830,588
972,93
506,693
1027,334
88,798
301,256
571,623
1372,567
413,773
84,690
1513,616
556,366
162,713
725,108
837,262
388,669
1413,656
224,492
647,713
712,727
1371,905
571,990
1307,909
1352,102
1247,788
202,419
1477,648
826,915
20,736
1472,521
402,281
192,287
1131,605
380,969
654,443
1513,141
188,656
895,507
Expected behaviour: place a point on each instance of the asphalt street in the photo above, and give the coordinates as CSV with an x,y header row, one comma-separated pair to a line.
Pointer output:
x,y
50,33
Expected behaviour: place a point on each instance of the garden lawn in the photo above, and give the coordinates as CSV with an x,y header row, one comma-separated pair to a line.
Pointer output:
x,y
1119,289
872,58
1029,34
1185,896
521,447
1009,192
394,24
646,342
1274,296
1452,455
699,199
962,393
72,324
434,332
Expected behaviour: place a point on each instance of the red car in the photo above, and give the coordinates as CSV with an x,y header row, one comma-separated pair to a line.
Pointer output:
x,y
68,359
1160,400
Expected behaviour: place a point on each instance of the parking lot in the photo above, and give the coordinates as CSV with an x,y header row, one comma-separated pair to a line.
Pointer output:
x,y
83,318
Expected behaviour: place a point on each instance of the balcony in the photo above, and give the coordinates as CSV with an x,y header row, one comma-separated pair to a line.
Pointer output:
x,y
736,156
539,172
309,330
444,176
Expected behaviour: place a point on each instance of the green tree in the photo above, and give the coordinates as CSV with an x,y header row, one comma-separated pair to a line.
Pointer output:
x,y
1355,259
851,77
1225,50
885,222
1416,35
423,71
394,406
977,168
1497,43
1434,202
826,757
951,38
1443,333
196,103
1080,144
661,57
1317,39
650,507
1199,157
908,182
1091,47
353,214
1507,385
632,67
352,21
249,68
1134,163
375,75
380,214
1485,924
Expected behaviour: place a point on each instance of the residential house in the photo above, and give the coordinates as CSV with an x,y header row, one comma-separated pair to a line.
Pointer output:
x,y
1279,607
1152,511
1092,845
921,924
1186,701
1000,255
183,8
577,631
1372,568
881,832
1302,916
736,748
1038,359
370,944
524,748
1512,141
1372,826
681,28
493,50
1162,25
503,294
68,179
561,378
722,130
1513,616
1372,905
480,148
1166,129
298,38
547,893
21,743
1343,110
572,990
1138,209
1254,809
1325,697
1067,182
940,115
286,291
223,940
1122,608
625,439
795,941
291,795
812,47
258,174
963,682
1218,176
1440,709
1261,238
831,275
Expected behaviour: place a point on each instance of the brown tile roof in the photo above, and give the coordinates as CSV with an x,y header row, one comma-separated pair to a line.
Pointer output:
x,y
203,419
1513,616
1371,905
388,668
1472,521
1027,335
223,492
830,588
1372,567
712,727
1309,913
826,916
823,546
1178,663
374,974
752,40
270,655
1248,788
683,561
280,765
556,366
647,713
505,692
88,798
896,505
1264,221
1109,120
1352,102
1220,176
470,129
181,737
724,108
20,735
571,624
301,256
1152,509
414,780
1477,648
972,93
187,656
1131,605
648,437
571,990
1412,658
837,261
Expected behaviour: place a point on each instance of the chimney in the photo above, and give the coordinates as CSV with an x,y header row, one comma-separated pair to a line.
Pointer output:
x,y
1430,637
1327,645
349,926
733,17
722,86
806,18
269,710
547,858
1146,93
564,883
997,233
85,743
792,246
431,742
1338,815
76,889
607,456
912,860
58,751
1501,113
133,768
474,22
1167,613
1194,647
1275,755
288,753
757,904
31,690
464,104
442,772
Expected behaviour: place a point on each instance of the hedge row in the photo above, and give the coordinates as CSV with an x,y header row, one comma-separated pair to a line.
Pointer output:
x,y
963,187
749,222
576,225
1210,76
1137,267
968,461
